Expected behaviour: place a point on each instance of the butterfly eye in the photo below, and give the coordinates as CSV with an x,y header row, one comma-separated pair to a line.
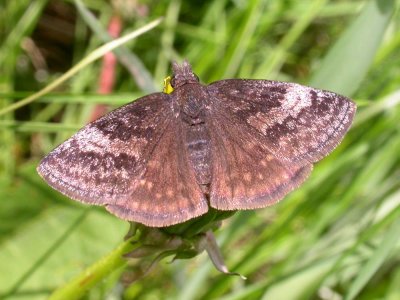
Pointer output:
x,y
172,81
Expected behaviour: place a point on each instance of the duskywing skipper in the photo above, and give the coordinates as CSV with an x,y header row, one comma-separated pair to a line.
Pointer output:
x,y
233,144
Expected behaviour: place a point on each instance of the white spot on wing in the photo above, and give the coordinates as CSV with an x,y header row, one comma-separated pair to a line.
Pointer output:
x,y
297,97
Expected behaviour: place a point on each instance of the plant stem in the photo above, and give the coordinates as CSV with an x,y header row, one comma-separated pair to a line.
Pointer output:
x,y
78,286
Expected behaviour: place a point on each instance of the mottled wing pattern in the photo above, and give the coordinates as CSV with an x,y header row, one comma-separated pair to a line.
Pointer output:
x,y
297,123
107,161
265,137
97,164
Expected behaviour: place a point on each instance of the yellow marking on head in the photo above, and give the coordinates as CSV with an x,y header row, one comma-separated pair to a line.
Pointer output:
x,y
168,89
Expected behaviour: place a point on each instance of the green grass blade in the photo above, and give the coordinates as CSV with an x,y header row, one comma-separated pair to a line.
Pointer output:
x,y
99,52
139,72
78,287
389,241
348,61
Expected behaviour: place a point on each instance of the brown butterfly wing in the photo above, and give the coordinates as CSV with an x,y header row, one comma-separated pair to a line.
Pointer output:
x,y
106,162
265,137
297,123
246,175
167,192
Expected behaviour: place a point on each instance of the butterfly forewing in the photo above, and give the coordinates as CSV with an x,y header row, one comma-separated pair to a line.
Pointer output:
x,y
297,124
103,161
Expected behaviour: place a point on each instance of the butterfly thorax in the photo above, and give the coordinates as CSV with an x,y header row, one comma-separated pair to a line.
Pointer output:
x,y
191,102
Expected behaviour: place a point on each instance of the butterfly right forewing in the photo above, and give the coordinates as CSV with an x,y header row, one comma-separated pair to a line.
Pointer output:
x,y
103,161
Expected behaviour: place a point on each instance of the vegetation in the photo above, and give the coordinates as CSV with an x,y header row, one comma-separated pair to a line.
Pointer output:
x,y
337,237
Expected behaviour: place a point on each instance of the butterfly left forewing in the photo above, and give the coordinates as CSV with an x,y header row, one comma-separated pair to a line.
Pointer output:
x,y
298,124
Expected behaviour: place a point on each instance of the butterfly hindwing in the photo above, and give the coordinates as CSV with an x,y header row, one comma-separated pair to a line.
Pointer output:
x,y
246,175
167,192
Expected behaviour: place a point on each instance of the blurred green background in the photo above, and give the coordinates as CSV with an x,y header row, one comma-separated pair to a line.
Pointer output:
x,y
337,237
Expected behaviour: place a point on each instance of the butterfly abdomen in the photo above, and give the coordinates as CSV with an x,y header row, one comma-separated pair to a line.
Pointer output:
x,y
199,151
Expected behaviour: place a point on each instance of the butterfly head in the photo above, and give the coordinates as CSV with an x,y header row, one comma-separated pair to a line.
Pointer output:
x,y
182,74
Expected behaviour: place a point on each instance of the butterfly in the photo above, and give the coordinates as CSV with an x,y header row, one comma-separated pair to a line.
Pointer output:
x,y
234,144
